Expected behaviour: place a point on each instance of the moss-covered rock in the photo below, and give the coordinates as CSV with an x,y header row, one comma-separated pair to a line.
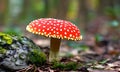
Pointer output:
x,y
17,52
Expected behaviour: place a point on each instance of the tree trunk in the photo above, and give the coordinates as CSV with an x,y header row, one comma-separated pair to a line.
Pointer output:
x,y
83,14
2,10
62,9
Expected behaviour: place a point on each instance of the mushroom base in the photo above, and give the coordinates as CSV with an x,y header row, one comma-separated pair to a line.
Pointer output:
x,y
54,49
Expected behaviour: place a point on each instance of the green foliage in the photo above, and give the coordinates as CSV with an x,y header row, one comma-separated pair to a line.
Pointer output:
x,y
109,11
112,11
5,38
65,66
98,37
37,57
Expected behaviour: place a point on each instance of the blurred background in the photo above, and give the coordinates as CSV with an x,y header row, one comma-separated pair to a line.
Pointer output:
x,y
97,19
96,16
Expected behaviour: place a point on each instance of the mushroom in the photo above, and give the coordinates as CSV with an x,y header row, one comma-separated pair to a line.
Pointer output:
x,y
56,29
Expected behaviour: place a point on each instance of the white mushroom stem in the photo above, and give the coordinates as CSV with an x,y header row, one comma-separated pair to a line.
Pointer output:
x,y
54,49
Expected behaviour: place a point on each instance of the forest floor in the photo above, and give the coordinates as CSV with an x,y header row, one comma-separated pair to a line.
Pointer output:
x,y
92,56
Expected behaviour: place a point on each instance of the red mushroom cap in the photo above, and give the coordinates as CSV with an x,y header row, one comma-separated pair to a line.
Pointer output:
x,y
55,28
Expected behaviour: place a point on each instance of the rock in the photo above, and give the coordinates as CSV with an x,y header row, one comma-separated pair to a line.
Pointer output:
x,y
17,52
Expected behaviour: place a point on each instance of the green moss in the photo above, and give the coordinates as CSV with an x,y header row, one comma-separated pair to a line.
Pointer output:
x,y
65,66
5,38
71,65
58,65
37,57
2,50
